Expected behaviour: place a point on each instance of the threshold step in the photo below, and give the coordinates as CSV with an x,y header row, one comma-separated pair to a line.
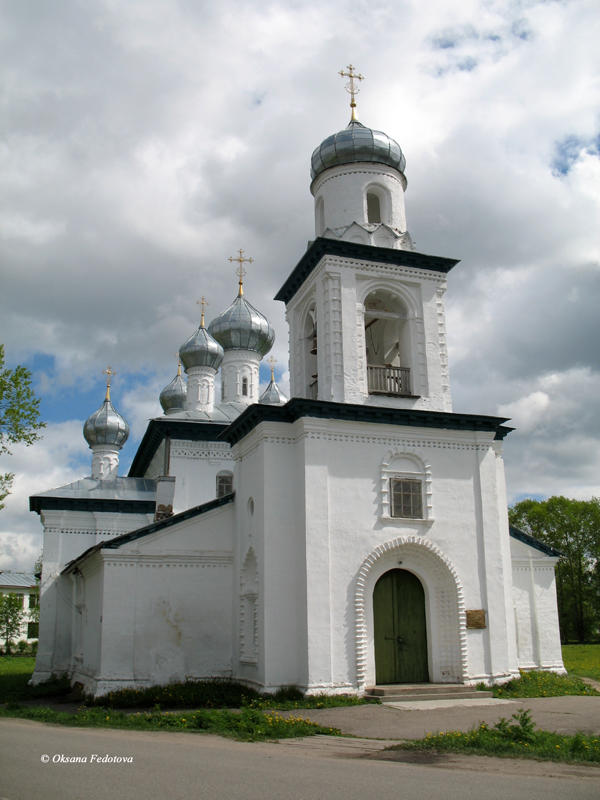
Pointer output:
x,y
420,689
425,698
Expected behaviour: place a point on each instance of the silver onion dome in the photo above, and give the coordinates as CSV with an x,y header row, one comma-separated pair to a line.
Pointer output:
x,y
273,396
173,397
354,144
106,426
201,350
242,327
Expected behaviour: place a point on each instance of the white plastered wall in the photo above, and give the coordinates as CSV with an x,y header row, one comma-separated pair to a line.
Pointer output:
x,y
535,608
166,607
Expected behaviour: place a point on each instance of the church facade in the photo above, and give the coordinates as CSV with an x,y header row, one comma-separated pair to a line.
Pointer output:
x,y
354,535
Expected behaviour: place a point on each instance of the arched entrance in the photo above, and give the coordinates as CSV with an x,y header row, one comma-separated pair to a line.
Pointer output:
x,y
400,629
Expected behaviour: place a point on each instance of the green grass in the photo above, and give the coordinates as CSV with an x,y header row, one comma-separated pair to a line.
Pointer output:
x,y
15,673
516,739
543,684
221,693
582,660
248,724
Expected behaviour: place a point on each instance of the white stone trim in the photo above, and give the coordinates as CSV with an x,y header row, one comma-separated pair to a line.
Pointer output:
x,y
422,473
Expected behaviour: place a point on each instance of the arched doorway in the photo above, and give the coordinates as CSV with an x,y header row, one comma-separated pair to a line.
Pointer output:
x,y
400,629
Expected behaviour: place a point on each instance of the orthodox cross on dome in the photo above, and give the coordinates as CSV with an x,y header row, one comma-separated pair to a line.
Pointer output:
x,y
109,372
272,361
350,87
240,271
202,302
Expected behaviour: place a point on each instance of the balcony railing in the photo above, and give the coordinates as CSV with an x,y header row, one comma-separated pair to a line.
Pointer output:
x,y
388,380
313,389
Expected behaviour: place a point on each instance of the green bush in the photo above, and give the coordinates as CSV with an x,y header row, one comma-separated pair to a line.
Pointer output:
x,y
538,683
519,738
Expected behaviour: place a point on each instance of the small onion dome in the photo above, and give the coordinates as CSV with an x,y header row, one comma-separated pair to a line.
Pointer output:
x,y
242,327
201,350
173,397
273,396
354,144
106,426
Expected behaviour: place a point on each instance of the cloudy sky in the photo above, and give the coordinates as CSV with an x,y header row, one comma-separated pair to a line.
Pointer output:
x,y
145,141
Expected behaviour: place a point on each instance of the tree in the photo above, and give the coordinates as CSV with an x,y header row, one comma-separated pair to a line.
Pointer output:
x,y
19,415
12,617
573,527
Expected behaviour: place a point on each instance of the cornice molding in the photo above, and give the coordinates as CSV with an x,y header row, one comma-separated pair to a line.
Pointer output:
x,y
361,252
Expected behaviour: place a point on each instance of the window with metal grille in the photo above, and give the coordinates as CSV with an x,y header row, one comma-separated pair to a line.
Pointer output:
x,y
245,387
407,498
224,484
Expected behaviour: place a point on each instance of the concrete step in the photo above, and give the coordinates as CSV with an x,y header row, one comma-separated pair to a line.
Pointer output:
x,y
424,698
425,691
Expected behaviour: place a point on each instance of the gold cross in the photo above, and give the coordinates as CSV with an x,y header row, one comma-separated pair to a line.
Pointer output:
x,y
179,361
350,87
272,361
108,372
202,302
240,271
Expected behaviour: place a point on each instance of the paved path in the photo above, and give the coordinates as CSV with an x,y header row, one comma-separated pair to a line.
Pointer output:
x,y
400,721
185,766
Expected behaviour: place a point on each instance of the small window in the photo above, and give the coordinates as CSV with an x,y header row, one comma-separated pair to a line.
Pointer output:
x,y
224,484
245,387
33,630
373,208
34,600
407,498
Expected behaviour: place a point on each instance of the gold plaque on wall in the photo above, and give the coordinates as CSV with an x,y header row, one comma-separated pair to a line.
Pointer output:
x,y
476,618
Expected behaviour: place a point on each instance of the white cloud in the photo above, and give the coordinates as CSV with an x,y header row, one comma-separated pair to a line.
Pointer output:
x,y
147,141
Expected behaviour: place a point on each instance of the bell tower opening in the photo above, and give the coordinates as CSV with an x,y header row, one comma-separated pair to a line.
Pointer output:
x,y
311,370
387,341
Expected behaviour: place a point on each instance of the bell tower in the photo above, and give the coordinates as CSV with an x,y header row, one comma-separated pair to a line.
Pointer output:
x,y
366,312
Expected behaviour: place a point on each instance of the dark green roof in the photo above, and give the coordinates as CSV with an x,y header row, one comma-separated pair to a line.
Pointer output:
x,y
364,252
298,408
526,538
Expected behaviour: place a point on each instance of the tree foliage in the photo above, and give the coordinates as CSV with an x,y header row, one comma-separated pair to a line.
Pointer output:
x,y
573,527
19,415
12,617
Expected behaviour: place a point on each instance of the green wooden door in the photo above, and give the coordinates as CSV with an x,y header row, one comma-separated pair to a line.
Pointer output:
x,y
400,629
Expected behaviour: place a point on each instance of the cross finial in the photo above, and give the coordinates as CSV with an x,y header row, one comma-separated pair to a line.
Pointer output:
x,y
272,361
350,87
202,302
109,372
178,357
240,271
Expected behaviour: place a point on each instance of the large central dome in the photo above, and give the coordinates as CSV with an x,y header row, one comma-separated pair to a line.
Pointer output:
x,y
242,327
354,144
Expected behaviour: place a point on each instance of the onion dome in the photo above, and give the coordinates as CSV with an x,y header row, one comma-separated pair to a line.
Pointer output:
x,y
242,327
354,144
201,350
273,396
173,397
106,426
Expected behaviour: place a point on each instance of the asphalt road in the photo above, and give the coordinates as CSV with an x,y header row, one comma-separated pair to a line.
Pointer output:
x,y
190,766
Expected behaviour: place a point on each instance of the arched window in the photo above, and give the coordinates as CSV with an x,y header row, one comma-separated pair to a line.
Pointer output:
x,y
224,483
320,216
373,208
406,488
244,387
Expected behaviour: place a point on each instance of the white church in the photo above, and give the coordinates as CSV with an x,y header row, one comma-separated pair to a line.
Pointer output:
x,y
353,536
